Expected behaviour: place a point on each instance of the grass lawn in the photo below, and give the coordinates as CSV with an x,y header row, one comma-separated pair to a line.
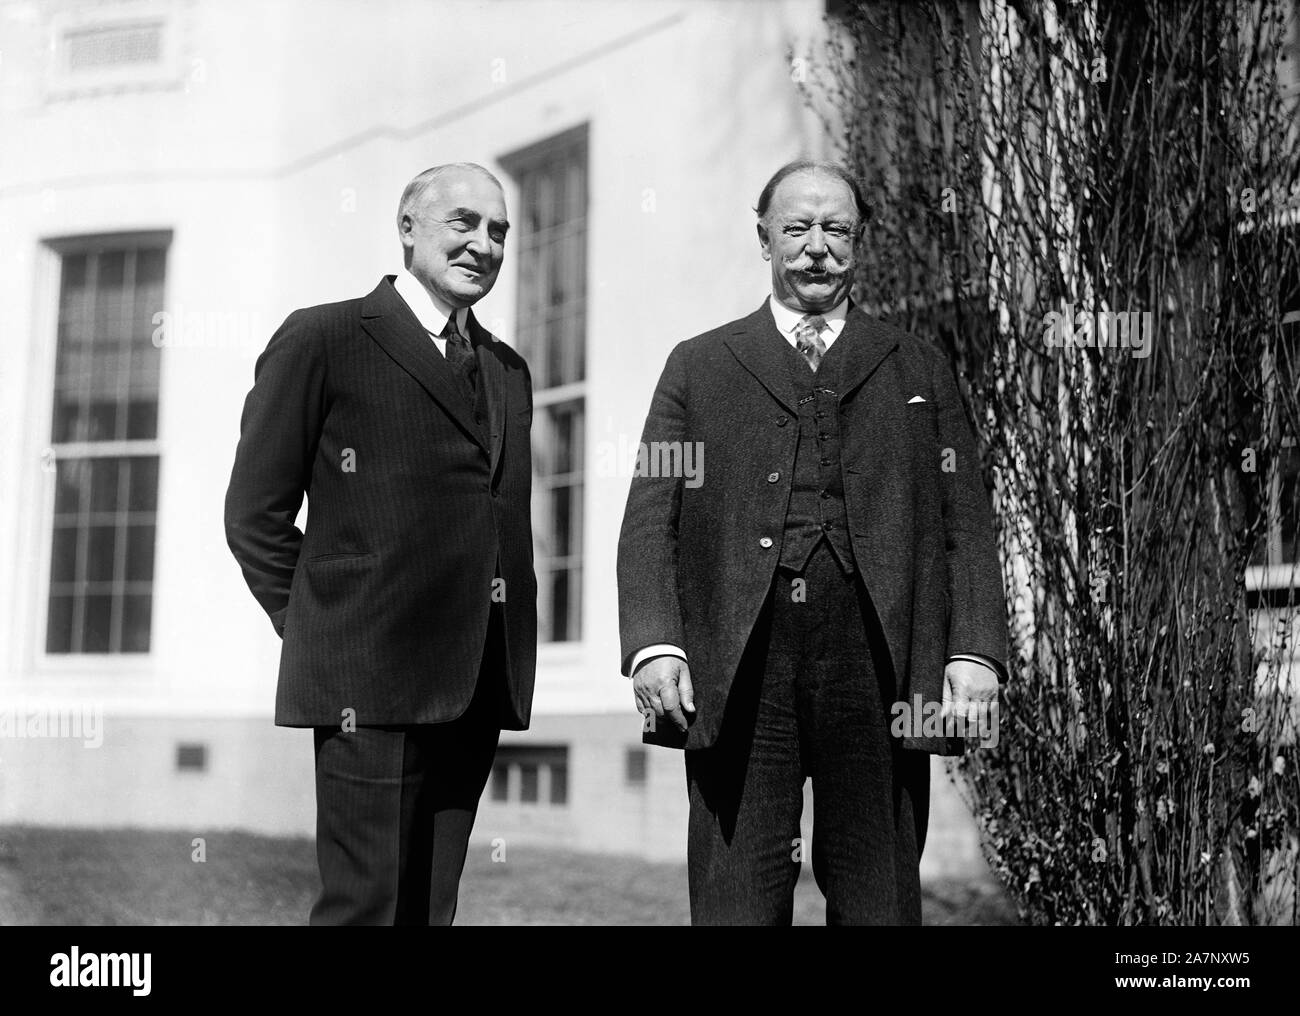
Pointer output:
x,y
76,877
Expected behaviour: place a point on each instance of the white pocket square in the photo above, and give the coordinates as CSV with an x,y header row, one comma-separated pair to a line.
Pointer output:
x,y
914,400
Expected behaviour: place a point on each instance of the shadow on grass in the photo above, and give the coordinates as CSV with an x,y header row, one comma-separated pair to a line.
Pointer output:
x,y
139,877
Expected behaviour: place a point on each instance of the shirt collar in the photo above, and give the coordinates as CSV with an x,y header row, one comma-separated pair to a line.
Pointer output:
x,y
787,320
431,312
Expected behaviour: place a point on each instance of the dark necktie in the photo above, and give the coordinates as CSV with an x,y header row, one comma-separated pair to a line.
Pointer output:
x,y
808,336
460,357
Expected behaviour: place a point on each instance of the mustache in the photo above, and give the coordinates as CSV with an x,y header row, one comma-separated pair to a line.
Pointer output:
x,y
826,266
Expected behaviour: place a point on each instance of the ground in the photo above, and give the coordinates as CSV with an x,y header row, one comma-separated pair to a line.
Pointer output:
x,y
113,877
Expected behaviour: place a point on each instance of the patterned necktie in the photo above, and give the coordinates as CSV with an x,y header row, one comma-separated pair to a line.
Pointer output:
x,y
460,357
808,336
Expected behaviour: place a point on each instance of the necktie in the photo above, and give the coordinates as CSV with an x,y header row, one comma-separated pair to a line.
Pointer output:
x,y
460,357
808,336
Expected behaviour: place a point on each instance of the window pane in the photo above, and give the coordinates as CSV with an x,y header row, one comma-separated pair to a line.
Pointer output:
x,y
139,553
101,550
528,782
500,783
561,543
58,637
97,631
63,559
560,606
105,485
143,496
142,420
559,784
137,611
110,285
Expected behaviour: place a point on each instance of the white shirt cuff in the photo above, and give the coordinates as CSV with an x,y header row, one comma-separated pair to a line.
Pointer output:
x,y
660,649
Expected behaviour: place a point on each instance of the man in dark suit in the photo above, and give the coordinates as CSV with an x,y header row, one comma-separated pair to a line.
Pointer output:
x,y
837,559
408,604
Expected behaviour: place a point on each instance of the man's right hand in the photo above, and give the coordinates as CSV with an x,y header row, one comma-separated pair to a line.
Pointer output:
x,y
663,685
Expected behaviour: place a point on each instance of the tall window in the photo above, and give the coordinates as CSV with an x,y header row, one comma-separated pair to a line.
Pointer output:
x,y
104,444
552,337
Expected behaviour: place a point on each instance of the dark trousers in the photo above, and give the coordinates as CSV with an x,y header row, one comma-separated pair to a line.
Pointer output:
x,y
811,699
394,809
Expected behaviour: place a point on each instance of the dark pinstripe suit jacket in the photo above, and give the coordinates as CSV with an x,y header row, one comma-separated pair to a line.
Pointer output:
x,y
414,509
693,570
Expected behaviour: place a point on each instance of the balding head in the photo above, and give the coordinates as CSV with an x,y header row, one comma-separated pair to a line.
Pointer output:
x,y
415,191
833,169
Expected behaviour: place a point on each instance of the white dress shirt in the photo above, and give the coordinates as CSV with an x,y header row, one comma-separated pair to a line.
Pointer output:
x,y
787,321
431,312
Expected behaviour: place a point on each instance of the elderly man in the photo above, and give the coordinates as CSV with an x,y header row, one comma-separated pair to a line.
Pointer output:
x,y
408,605
837,559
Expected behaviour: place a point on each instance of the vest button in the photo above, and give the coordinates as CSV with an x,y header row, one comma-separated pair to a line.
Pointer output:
x,y
826,493
773,477
781,421
765,542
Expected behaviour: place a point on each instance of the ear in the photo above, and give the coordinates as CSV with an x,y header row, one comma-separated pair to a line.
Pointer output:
x,y
404,227
765,242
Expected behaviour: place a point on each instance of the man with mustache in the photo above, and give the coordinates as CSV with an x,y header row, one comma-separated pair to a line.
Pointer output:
x,y
837,558
408,604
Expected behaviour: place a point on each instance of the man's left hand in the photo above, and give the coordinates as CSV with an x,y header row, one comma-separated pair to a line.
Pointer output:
x,y
969,690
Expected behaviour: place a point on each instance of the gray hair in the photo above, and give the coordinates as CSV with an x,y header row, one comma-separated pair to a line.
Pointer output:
x,y
415,190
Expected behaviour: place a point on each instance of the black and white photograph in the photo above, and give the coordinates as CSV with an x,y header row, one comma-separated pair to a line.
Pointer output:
x,y
651,462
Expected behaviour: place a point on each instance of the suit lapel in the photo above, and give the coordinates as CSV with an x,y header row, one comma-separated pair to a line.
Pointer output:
x,y
866,345
394,326
764,352
491,376
761,350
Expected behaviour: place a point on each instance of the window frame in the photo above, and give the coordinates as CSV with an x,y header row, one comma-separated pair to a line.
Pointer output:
x,y
518,165
53,251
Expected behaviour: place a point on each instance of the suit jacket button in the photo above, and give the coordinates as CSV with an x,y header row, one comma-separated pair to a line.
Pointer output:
x,y
773,477
765,542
